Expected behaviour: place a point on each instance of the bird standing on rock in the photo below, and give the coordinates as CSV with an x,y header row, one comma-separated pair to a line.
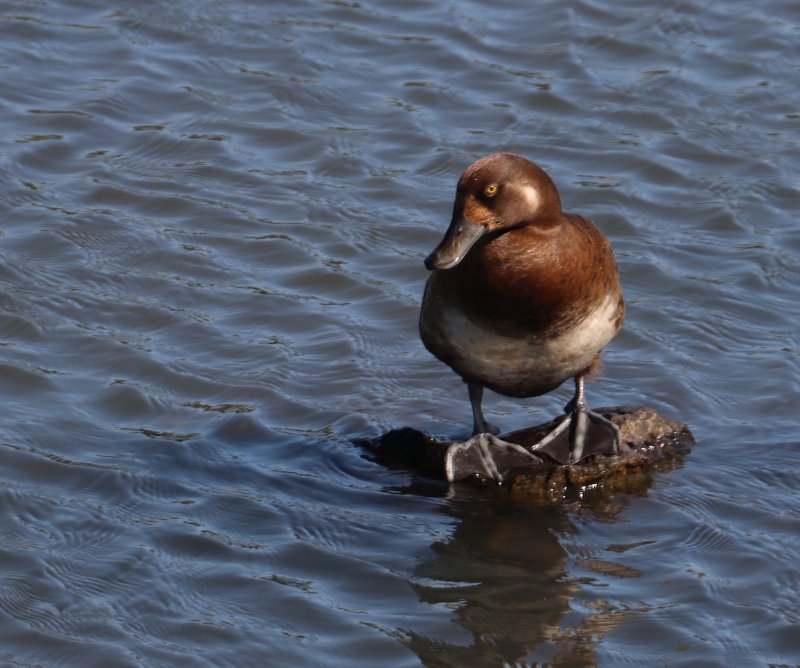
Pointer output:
x,y
522,297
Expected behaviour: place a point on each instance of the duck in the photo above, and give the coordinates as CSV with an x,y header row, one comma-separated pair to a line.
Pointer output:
x,y
521,298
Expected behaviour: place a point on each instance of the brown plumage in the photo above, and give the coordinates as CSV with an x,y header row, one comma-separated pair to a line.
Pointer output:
x,y
521,296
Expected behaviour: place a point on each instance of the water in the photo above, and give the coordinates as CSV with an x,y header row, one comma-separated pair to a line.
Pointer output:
x,y
214,219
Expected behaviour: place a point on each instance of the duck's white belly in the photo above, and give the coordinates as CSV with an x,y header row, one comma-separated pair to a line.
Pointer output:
x,y
522,366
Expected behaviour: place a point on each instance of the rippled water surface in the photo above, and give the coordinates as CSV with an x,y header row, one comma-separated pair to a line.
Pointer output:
x,y
214,219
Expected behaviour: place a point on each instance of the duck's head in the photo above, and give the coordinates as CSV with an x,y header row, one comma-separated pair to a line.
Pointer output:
x,y
497,193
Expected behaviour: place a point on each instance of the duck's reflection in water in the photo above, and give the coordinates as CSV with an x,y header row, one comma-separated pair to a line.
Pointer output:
x,y
504,573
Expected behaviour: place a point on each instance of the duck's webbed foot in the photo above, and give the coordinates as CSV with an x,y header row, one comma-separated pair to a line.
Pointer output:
x,y
581,433
487,455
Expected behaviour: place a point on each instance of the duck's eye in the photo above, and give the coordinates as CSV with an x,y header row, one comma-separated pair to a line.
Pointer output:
x,y
490,190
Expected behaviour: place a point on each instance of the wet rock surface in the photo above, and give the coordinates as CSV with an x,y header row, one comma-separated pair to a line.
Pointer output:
x,y
651,443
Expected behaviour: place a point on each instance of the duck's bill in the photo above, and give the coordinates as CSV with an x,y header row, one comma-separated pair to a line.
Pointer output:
x,y
460,237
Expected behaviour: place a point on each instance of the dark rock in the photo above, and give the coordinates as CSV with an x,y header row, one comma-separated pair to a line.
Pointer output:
x,y
651,443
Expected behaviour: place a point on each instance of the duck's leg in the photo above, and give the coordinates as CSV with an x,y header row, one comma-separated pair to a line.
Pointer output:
x,y
484,453
479,423
581,433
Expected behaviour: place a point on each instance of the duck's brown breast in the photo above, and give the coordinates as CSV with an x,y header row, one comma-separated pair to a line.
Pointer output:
x,y
533,282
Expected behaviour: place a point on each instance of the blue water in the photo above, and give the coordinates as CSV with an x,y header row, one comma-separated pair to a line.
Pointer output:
x,y
214,220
